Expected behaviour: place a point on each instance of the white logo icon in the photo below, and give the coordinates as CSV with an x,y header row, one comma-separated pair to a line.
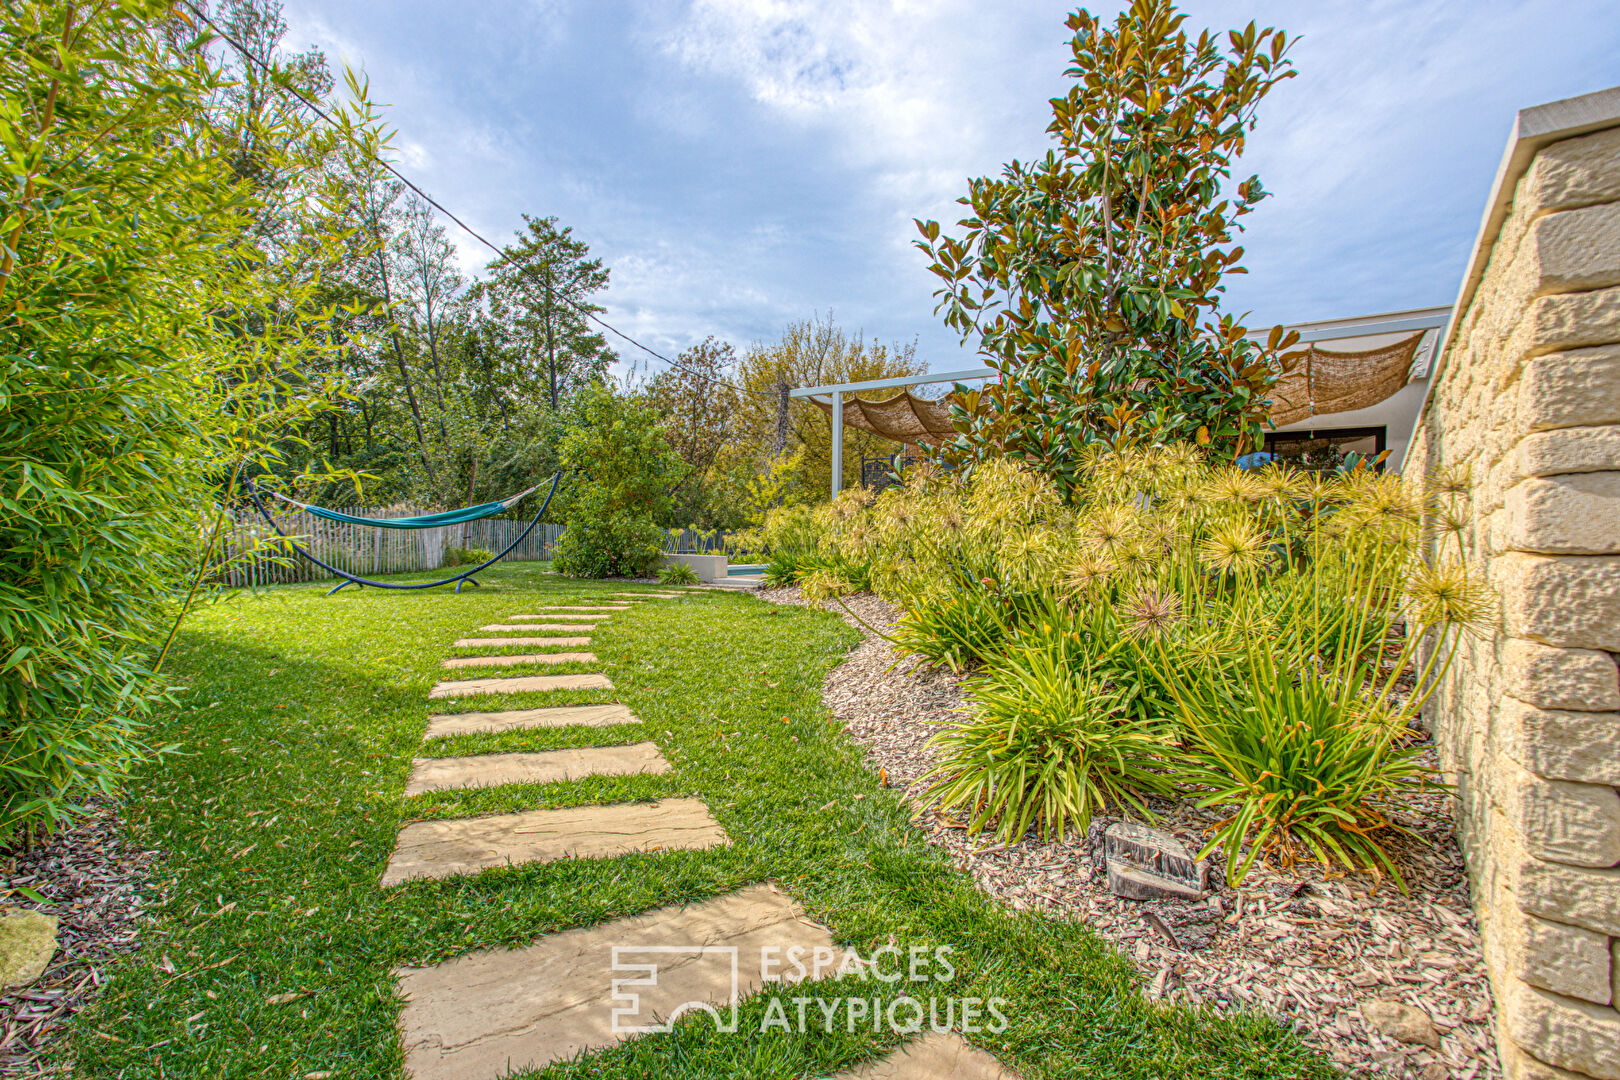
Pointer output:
x,y
634,1016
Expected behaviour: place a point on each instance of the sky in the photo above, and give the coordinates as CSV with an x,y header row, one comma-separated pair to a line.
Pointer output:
x,y
740,164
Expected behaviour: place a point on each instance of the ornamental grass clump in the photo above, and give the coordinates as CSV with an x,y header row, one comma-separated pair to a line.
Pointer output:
x,y
1045,745
1286,627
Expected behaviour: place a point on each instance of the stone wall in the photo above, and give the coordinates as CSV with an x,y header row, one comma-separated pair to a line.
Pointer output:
x,y
1527,396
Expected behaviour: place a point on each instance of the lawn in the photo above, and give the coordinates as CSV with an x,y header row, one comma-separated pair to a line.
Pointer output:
x,y
271,946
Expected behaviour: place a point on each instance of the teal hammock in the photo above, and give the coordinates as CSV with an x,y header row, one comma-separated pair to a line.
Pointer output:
x,y
425,521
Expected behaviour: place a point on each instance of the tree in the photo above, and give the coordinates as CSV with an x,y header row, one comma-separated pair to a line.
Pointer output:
x,y
538,293
1084,275
700,409
810,352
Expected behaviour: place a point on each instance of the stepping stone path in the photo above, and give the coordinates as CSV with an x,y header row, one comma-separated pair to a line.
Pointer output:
x,y
519,685
565,618
529,628
488,642
488,1013
514,660
566,716
655,595
545,767
440,849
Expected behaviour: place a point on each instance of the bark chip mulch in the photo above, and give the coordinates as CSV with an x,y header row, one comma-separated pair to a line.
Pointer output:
x,y
1310,949
92,881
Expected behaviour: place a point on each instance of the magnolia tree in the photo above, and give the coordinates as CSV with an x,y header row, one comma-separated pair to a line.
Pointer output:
x,y
1092,276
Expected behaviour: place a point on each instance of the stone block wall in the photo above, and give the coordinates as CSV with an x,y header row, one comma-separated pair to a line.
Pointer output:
x,y
1527,396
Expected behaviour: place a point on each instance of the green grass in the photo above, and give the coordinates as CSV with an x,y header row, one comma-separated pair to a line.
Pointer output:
x,y
295,732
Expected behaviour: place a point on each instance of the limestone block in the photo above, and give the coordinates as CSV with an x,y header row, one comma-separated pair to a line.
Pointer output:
x,y
1571,450
1578,249
1571,389
1567,321
27,943
1571,601
1560,821
439,727
521,685
1567,960
518,660
1560,744
1577,514
1569,894
1518,1065
1560,678
1562,1031
1574,172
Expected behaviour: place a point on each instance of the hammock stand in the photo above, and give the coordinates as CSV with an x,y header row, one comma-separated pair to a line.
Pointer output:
x,y
430,521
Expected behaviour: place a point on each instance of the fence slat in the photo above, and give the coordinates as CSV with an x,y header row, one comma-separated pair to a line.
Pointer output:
x,y
358,549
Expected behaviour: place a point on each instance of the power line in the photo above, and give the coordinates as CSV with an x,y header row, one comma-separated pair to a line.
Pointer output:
x,y
249,57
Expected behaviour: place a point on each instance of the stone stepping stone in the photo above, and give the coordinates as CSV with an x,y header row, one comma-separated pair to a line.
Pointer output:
x,y
488,642
564,618
656,595
486,1014
529,628
575,607
440,849
519,685
565,716
513,661
545,767
933,1056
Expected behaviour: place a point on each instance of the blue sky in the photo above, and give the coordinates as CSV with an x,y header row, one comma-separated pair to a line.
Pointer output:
x,y
741,164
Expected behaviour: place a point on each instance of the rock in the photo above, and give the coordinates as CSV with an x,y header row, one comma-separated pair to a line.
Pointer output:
x,y
1401,1022
1150,864
27,943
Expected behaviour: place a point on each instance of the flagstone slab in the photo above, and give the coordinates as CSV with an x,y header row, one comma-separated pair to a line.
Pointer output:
x,y
521,684
564,716
545,767
489,1013
933,1056
529,628
559,617
522,658
490,642
655,595
577,607
440,849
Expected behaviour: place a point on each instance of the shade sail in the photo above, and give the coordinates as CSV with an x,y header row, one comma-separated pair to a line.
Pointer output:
x,y
904,418
1334,382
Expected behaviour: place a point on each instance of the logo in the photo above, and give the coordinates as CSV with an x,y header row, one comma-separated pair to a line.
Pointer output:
x,y
639,1001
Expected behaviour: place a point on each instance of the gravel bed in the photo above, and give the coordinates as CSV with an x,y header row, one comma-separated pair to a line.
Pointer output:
x,y
1324,954
92,881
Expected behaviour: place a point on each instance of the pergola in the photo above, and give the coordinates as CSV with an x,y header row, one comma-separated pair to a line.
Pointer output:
x,y
1326,383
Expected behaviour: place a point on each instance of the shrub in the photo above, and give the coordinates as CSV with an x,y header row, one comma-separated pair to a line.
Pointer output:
x,y
621,469
1046,745
678,573
152,345
960,630
599,543
466,556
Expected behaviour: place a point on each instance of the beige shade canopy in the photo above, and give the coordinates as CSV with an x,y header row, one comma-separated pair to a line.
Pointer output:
x,y
1321,382
1334,382
904,418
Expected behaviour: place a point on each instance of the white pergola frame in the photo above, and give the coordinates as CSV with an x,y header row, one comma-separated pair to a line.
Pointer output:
x,y
1326,330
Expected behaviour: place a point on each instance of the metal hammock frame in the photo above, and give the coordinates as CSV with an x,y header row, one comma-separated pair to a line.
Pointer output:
x,y
354,579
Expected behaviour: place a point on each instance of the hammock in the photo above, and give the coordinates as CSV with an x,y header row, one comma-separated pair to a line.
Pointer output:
x,y
424,521
450,517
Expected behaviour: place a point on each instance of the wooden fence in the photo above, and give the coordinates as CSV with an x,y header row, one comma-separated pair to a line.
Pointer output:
x,y
361,549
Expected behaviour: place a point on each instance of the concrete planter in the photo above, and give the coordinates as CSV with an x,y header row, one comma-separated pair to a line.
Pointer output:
x,y
708,567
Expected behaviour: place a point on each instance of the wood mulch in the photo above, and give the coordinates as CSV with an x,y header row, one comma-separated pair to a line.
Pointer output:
x,y
1310,949
92,881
